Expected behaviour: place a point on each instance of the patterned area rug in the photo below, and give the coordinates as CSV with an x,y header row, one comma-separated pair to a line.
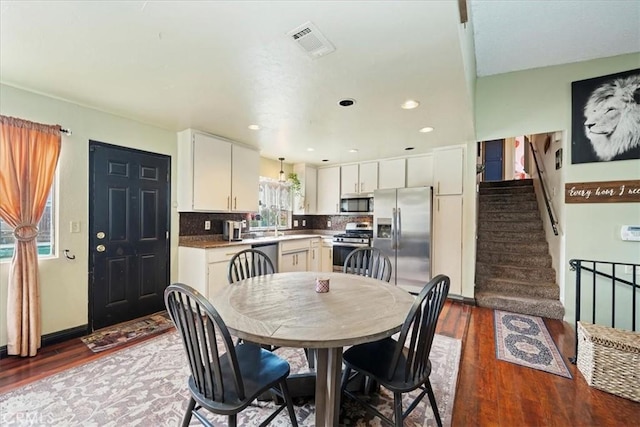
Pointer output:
x,y
113,336
146,385
525,340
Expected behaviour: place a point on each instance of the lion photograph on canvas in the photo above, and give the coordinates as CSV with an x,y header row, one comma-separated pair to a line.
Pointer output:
x,y
610,125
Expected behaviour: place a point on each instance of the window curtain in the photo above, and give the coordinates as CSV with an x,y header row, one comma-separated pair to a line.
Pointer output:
x,y
29,155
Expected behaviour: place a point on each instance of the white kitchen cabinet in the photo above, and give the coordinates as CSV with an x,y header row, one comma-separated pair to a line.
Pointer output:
x,y
327,256
329,190
315,255
294,255
359,178
245,172
420,171
448,168
391,173
447,240
305,202
206,269
215,174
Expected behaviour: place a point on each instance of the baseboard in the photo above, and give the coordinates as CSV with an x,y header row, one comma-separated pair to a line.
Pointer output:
x,y
56,337
464,300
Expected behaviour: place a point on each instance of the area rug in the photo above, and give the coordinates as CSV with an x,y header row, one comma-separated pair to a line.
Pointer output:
x,y
525,340
121,333
146,384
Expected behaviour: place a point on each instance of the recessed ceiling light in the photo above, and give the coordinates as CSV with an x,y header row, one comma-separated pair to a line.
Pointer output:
x,y
409,148
254,127
347,102
409,104
311,149
353,150
426,129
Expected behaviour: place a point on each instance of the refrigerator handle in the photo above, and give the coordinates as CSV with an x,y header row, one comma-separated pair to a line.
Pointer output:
x,y
399,227
393,229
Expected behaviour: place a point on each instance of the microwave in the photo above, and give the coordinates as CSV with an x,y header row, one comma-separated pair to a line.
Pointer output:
x,y
356,204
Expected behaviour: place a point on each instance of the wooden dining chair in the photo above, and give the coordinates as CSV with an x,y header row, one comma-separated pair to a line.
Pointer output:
x,y
249,263
401,365
370,262
224,378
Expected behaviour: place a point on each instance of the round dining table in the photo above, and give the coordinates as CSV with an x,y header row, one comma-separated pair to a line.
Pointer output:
x,y
284,309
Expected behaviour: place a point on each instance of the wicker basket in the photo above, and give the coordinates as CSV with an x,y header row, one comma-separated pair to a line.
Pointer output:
x,y
609,359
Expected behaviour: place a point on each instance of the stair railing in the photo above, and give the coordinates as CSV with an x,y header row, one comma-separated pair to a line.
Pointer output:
x,y
552,219
604,270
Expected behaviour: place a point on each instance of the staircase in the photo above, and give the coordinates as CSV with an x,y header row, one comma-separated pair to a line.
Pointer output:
x,y
513,265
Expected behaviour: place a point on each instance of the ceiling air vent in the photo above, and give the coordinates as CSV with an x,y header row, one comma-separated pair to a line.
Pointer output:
x,y
311,40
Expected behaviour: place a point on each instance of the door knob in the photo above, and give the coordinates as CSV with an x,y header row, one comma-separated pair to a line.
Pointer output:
x,y
100,248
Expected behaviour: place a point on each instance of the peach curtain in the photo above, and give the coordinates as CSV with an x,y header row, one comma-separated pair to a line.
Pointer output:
x,y
28,158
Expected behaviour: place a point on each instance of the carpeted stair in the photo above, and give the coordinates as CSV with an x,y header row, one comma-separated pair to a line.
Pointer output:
x,y
513,265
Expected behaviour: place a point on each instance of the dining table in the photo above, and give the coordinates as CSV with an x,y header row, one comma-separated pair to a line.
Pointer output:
x,y
284,309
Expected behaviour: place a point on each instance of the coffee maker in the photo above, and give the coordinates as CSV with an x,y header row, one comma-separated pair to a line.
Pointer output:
x,y
232,231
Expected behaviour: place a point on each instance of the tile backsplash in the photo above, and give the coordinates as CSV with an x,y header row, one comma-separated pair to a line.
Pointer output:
x,y
192,223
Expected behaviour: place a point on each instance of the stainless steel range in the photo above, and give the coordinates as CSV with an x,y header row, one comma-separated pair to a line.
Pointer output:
x,y
356,235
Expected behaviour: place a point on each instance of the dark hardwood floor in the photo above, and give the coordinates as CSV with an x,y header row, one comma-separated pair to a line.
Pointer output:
x,y
489,393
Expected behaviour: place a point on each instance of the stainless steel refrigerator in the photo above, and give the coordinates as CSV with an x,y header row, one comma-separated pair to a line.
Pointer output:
x,y
402,231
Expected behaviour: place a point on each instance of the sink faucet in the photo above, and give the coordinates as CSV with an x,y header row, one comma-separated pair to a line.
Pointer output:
x,y
276,233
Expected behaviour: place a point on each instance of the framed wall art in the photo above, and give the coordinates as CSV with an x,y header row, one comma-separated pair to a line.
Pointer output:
x,y
605,118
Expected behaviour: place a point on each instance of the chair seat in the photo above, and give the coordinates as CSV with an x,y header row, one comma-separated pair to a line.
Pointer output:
x,y
374,358
257,366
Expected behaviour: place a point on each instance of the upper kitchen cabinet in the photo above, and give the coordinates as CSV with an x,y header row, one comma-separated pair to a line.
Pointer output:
x,y
391,173
304,202
359,178
329,190
215,174
448,170
420,171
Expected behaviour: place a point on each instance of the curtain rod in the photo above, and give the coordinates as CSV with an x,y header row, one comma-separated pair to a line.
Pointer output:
x,y
66,131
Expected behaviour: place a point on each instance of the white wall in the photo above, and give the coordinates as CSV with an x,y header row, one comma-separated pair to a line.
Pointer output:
x,y
64,283
538,101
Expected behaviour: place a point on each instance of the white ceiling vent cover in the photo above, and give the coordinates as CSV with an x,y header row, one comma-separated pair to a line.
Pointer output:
x,y
311,40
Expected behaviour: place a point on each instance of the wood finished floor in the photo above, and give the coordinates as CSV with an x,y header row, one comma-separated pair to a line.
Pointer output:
x,y
489,393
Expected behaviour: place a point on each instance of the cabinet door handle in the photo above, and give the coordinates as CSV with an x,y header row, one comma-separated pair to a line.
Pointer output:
x,y
229,202
355,187
361,186
235,203
438,188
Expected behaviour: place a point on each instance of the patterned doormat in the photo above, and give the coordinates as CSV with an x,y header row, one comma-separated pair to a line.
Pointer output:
x,y
525,340
121,333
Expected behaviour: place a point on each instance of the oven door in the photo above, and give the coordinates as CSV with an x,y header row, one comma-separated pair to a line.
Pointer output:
x,y
341,251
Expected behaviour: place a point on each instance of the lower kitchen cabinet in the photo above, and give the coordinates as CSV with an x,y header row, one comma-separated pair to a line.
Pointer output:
x,y
294,255
315,255
206,269
327,256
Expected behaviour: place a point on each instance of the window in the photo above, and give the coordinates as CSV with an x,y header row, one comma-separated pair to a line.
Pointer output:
x,y
46,235
274,205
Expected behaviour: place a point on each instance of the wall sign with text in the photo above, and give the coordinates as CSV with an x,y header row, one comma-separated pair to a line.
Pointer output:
x,y
602,192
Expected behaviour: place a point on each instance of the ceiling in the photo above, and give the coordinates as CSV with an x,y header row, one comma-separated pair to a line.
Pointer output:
x,y
222,66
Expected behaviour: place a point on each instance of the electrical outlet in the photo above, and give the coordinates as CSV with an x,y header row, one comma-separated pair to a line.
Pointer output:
x,y
329,224
304,222
207,225
295,222
74,226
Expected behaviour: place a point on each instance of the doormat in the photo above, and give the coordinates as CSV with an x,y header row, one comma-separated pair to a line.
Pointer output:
x,y
525,340
121,333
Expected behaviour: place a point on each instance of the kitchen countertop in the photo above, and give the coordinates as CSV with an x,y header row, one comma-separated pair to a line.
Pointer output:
x,y
208,243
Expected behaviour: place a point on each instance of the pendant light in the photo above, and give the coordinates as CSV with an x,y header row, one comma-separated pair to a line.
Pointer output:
x,y
281,176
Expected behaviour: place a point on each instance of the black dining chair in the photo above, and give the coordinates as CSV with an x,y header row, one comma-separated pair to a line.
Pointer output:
x,y
249,263
401,365
370,262
224,378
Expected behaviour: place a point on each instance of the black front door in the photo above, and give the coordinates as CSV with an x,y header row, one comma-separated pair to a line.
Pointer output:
x,y
129,233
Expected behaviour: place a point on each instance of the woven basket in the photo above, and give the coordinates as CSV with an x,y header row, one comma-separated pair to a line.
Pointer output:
x,y
609,359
